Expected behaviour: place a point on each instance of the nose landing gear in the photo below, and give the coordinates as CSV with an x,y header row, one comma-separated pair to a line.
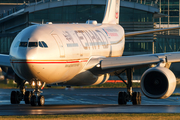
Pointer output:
x,y
29,97
36,98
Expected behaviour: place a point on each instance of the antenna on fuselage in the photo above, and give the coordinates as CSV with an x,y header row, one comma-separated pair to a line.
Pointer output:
x,y
42,21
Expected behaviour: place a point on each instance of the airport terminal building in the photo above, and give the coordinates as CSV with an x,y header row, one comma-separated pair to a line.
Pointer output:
x,y
135,15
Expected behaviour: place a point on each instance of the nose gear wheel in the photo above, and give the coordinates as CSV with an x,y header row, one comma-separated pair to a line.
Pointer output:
x,y
29,97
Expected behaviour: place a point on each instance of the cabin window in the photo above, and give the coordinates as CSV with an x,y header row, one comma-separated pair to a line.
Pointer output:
x,y
23,44
33,44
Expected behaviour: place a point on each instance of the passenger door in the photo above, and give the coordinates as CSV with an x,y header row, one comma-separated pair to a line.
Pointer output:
x,y
60,45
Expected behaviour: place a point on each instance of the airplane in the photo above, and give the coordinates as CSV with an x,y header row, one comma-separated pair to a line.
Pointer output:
x,y
85,54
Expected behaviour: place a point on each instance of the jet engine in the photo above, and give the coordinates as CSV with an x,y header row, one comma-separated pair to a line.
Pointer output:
x,y
7,72
158,83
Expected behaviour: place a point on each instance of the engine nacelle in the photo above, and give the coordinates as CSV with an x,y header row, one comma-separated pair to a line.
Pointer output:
x,y
102,79
158,83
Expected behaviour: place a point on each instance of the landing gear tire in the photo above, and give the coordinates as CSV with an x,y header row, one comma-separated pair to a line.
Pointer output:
x,y
18,97
15,97
27,97
33,100
122,98
136,98
41,100
139,101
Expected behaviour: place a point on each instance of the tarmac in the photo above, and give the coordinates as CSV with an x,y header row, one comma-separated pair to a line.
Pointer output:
x,y
87,101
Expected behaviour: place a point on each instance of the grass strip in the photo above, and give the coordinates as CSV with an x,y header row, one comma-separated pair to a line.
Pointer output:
x,y
105,85
120,116
10,85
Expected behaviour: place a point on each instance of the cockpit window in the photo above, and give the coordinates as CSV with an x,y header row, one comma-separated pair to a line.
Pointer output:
x,y
44,44
23,44
33,44
40,44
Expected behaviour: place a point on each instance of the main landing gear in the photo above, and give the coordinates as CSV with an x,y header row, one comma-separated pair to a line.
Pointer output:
x,y
124,97
36,98
30,97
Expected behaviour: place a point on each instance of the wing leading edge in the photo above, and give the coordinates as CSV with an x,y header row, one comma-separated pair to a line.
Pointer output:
x,y
5,60
130,34
138,60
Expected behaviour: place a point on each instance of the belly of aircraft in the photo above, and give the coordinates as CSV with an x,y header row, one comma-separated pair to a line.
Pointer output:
x,y
49,72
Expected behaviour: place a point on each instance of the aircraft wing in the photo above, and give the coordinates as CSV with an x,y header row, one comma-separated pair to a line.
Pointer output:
x,y
116,63
129,34
5,60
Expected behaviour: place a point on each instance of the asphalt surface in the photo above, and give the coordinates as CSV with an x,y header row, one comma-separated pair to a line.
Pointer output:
x,y
88,101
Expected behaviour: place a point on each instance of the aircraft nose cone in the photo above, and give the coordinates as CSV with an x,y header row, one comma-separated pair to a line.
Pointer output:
x,y
22,63
31,54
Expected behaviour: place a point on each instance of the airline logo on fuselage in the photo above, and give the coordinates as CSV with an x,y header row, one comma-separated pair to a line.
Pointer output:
x,y
117,15
117,9
111,32
87,38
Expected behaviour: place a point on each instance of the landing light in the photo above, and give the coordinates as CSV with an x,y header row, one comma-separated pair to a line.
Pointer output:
x,y
33,83
98,65
38,83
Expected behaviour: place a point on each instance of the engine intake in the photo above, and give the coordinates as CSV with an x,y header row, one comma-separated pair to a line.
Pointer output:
x,y
158,83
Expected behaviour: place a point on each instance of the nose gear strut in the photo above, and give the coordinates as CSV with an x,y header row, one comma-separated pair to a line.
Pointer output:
x,y
37,98
30,97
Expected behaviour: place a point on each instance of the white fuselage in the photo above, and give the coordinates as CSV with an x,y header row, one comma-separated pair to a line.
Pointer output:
x,y
69,48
